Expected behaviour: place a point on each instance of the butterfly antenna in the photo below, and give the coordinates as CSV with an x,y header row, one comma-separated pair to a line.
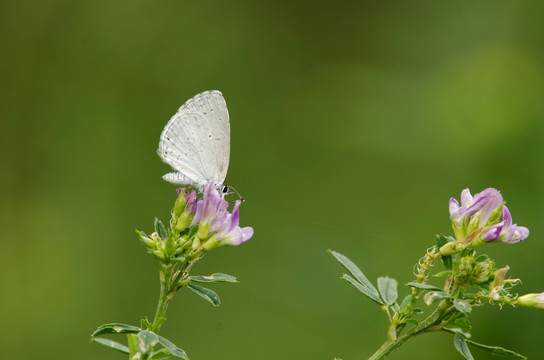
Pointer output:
x,y
237,193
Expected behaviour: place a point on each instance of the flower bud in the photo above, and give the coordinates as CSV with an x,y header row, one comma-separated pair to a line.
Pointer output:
x,y
531,300
483,271
499,277
146,240
180,203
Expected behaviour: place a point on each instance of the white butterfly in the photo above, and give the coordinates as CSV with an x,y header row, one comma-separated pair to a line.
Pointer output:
x,y
196,142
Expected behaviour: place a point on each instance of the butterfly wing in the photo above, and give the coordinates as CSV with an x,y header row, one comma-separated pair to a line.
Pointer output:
x,y
196,141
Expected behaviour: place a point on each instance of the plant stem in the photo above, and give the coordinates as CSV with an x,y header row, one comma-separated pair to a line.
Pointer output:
x,y
431,321
164,298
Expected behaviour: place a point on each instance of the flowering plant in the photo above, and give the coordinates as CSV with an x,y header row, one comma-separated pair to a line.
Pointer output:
x,y
197,227
470,280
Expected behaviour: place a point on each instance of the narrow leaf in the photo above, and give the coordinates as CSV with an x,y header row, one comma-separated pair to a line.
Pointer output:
x,y
498,351
161,354
460,344
460,326
115,328
423,286
207,294
410,321
160,229
354,270
405,305
482,258
443,273
442,240
388,289
462,305
217,277
371,294
172,348
112,344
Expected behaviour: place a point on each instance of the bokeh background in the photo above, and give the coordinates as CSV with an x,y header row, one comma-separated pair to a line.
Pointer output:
x,y
353,123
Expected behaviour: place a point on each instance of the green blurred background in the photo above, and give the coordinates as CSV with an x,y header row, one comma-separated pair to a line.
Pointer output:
x,y
352,124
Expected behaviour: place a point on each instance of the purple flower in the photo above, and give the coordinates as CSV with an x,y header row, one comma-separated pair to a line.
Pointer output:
x,y
505,231
484,218
474,212
218,227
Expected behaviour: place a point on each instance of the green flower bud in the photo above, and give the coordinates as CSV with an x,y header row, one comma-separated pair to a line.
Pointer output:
x,y
146,240
531,300
181,201
483,271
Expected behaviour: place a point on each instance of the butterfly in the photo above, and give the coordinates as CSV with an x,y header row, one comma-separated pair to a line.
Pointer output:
x,y
196,142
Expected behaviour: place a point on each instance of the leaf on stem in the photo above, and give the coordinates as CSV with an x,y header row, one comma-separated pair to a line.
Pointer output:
x,y
423,286
147,340
443,273
460,344
433,296
462,305
160,354
460,326
115,328
354,270
498,351
388,289
207,294
172,348
112,345
368,292
442,240
217,277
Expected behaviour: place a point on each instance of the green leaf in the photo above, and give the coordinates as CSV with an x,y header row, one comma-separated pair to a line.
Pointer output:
x,y
354,270
112,344
410,321
462,305
192,231
179,259
443,273
405,305
482,258
172,348
388,289
423,286
460,326
160,229
161,354
371,294
498,351
147,340
217,277
460,344
207,294
115,328
433,296
442,240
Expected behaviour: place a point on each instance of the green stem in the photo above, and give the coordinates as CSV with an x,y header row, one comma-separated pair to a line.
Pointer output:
x,y
431,323
164,298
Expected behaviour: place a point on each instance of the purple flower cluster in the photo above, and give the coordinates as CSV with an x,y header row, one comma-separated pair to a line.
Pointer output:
x,y
216,225
485,217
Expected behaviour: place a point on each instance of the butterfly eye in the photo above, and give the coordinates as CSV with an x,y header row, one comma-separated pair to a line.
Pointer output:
x,y
225,189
